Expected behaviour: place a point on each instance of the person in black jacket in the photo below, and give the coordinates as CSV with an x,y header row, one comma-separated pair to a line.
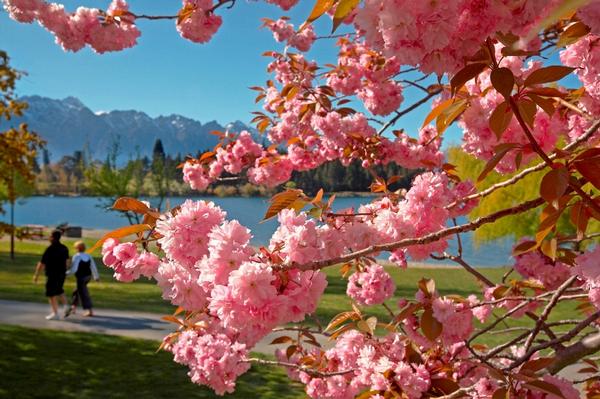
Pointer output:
x,y
84,268
54,263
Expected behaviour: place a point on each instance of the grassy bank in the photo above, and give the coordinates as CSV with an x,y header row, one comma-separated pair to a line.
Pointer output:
x,y
55,364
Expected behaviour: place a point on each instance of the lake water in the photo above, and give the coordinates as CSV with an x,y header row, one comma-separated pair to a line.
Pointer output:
x,y
85,212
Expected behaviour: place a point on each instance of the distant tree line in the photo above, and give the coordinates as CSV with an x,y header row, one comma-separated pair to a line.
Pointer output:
x,y
159,176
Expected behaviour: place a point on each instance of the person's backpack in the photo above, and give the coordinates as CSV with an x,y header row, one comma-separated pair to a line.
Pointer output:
x,y
84,269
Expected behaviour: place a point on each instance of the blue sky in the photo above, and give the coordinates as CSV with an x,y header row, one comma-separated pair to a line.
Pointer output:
x,y
165,74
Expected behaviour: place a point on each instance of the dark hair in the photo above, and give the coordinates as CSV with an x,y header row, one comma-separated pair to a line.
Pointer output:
x,y
56,234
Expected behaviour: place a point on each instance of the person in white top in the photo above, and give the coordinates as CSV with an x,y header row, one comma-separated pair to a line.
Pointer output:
x,y
84,269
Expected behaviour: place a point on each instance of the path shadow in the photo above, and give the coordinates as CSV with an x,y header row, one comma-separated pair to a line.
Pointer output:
x,y
119,323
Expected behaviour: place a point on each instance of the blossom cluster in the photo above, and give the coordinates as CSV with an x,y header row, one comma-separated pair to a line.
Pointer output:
x,y
199,23
535,265
588,270
127,262
210,267
283,31
213,358
113,30
369,74
584,56
438,36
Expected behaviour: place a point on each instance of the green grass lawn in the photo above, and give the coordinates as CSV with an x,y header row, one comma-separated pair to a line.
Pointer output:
x,y
55,364
144,295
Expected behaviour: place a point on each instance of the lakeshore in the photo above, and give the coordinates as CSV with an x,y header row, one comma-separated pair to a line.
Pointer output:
x,y
91,214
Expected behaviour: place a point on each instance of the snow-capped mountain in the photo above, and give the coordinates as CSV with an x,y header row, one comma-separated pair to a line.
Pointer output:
x,y
68,125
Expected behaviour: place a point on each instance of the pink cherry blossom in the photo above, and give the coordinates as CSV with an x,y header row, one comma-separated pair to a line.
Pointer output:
x,y
201,24
185,234
371,286
213,359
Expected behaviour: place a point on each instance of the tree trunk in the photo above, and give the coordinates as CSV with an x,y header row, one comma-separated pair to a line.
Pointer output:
x,y
12,230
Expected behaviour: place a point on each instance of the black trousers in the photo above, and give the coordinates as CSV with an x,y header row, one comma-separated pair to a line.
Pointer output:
x,y
82,293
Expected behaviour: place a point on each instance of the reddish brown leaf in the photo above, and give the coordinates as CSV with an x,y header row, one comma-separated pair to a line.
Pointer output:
x,y
430,326
289,352
435,112
554,184
491,164
130,204
120,233
281,340
546,104
501,393
524,247
464,75
527,109
572,33
579,218
589,168
448,115
500,119
284,200
320,8
546,92
547,74
545,387
503,81
444,386
339,319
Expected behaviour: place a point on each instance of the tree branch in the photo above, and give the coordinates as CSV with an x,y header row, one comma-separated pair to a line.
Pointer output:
x,y
575,352
429,238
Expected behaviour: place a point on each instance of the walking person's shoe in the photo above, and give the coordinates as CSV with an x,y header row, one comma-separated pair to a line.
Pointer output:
x,y
88,313
52,316
69,311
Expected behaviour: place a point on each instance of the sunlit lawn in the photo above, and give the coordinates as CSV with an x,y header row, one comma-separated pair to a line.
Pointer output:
x,y
144,295
56,364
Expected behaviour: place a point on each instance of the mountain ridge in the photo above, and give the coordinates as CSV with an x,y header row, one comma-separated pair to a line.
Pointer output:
x,y
68,125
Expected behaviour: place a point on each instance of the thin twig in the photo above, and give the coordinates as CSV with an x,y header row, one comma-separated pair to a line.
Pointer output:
x,y
546,312
305,369
564,338
399,114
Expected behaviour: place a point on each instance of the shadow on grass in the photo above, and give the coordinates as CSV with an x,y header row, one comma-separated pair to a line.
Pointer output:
x,y
54,364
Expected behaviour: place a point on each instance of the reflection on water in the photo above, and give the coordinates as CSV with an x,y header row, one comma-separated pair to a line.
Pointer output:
x,y
85,212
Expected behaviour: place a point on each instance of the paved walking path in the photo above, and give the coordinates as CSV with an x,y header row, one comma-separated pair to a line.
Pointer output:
x,y
105,321
124,323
